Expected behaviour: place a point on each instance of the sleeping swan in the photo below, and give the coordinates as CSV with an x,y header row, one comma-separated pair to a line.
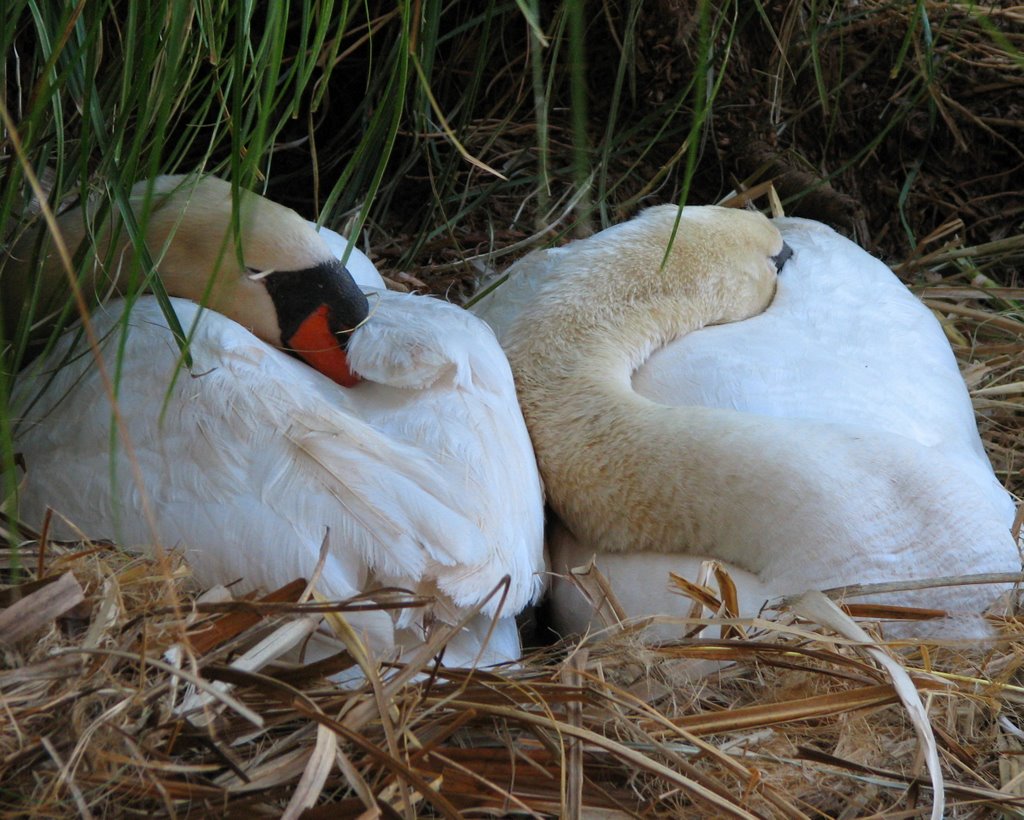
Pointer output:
x,y
823,441
422,473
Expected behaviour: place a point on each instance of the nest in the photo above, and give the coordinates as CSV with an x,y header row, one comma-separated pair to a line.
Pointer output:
x,y
125,692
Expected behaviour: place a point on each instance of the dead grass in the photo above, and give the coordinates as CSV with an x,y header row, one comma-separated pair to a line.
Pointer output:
x,y
786,719
890,121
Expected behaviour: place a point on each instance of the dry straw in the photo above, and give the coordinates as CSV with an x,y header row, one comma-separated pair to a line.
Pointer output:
x,y
123,704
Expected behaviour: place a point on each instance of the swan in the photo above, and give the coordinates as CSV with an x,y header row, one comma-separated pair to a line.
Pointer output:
x,y
421,475
803,424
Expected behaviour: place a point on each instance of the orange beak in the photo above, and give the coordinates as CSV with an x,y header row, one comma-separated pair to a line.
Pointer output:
x,y
316,344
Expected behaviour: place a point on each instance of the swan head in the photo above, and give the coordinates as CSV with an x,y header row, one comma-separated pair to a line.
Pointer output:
x,y
281,281
642,283
262,265
734,254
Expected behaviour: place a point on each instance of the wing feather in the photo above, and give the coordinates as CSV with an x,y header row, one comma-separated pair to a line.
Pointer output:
x,y
256,455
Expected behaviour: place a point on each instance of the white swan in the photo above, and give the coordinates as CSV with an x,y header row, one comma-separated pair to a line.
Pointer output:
x,y
829,440
423,473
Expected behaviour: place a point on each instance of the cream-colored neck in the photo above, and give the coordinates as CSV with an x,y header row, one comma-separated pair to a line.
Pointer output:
x,y
189,235
611,459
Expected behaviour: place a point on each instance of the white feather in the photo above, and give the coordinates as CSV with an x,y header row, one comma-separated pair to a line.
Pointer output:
x,y
838,444
358,263
423,474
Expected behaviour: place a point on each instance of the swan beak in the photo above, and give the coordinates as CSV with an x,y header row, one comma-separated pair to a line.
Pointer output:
x,y
317,345
780,258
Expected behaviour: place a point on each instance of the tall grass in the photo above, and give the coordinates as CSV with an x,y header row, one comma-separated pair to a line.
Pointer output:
x,y
442,133
98,95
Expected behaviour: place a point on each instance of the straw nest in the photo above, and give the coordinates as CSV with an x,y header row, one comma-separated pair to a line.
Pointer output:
x,y
123,690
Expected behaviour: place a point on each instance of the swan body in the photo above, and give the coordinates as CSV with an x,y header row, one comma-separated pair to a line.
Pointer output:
x,y
824,440
422,476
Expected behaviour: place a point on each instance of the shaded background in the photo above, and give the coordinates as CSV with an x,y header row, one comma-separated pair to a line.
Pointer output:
x,y
890,121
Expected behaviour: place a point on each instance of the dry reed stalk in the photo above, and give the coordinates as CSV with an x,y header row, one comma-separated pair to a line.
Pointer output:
x,y
793,722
